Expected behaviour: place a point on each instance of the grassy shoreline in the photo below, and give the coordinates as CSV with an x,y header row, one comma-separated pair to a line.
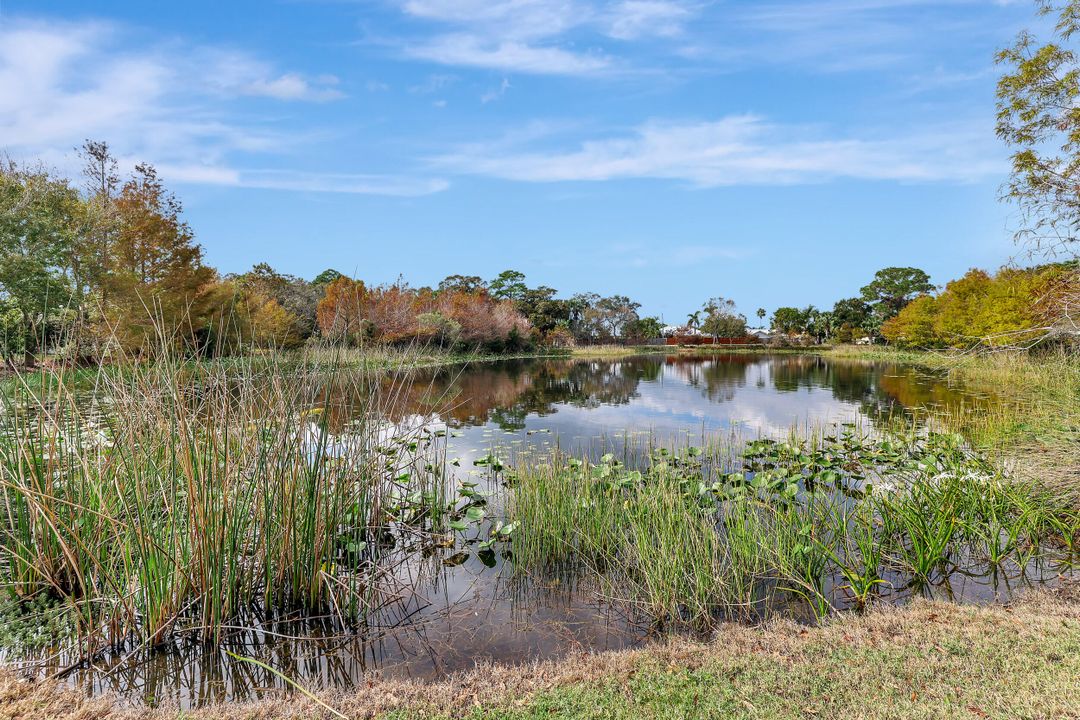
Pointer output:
x,y
926,660
1033,428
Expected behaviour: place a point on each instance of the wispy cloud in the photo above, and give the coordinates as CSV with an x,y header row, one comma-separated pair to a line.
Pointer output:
x,y
535,36
737,150
511,55
292,86
652,255
633,19
847,35
299,181
496,93
163,102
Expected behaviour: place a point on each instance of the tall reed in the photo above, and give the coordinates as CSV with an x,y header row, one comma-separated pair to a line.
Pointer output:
x,y
178,495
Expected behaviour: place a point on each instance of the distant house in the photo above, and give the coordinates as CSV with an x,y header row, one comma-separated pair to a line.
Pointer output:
x,y
679,331
761,334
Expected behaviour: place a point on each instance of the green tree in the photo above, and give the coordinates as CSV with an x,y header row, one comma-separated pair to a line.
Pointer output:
x,y
894,287
761,313
645,328
789,320
508,285
721,320
463,283
295,296
1038,115
40,221
101,175
914,325
584,318
853,312
615,312
818,323
543,310
326,277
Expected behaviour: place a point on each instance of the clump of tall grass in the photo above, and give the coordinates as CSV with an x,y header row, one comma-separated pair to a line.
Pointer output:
x,y
1033,420
834,520
167,496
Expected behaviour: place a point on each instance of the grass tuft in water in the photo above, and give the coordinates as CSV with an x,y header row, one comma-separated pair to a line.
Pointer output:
x,y
836,520
167,497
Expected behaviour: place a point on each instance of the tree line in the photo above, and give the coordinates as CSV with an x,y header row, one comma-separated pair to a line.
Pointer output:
x,y
854,318
1014,307
109,266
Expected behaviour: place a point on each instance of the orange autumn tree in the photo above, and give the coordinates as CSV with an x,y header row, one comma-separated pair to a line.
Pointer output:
x,y
155,286
392,311
395,314
481,318
339,313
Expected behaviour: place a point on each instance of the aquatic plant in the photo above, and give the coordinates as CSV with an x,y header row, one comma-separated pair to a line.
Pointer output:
x,y
172,497
694,533
857,551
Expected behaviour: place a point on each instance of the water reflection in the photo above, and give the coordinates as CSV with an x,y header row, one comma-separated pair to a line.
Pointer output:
x,y
766,394
463,612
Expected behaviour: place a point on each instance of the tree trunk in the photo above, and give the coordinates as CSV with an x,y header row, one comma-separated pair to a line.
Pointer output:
x,y
30,342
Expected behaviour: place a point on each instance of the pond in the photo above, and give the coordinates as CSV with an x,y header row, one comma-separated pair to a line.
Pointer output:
x,y
466,606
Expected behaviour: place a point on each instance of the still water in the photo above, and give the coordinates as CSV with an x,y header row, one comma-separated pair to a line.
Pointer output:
x,y
466,608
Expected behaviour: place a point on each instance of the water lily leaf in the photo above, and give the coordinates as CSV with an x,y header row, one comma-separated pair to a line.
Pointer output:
x,y
456,559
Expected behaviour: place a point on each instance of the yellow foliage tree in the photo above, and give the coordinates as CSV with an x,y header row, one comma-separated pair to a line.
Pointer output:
x,y
1009,308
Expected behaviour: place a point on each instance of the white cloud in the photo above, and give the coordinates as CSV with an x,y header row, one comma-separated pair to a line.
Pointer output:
x,y
169,104
516,18
738,150
530,36
291,86
632,19
369,184
433,84
508,55
229,73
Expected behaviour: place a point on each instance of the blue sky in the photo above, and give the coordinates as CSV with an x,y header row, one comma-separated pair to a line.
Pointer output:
x,y
774,152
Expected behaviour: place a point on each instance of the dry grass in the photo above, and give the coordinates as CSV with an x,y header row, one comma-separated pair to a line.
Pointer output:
x,y
928,660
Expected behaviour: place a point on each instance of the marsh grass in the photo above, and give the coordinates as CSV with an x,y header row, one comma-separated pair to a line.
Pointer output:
x,y
835,521
1031,426
173,497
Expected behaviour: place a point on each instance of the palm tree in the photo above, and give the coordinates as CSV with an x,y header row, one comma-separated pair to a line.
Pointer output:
x,y
761,313
693,319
